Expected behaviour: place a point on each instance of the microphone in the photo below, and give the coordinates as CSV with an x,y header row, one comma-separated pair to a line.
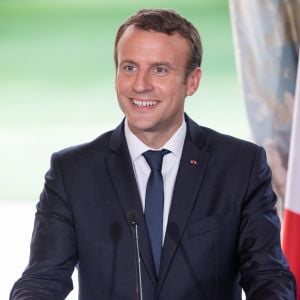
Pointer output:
x,y
133,220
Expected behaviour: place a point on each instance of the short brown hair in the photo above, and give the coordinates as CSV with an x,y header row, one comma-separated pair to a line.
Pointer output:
x,y
168,22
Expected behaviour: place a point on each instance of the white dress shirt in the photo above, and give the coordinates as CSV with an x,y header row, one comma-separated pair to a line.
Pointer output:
x,y
169,169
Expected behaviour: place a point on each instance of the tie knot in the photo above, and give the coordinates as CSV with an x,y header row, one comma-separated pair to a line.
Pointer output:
x,y
154,158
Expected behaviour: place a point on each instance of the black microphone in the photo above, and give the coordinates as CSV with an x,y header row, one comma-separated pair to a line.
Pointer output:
x,y
133,219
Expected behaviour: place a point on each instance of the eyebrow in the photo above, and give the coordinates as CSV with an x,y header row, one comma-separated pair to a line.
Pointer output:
x,y
127,61
154,64
162,63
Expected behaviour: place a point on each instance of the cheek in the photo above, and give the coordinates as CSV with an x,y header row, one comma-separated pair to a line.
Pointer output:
x,y
166,86
120,85
174,90
120,91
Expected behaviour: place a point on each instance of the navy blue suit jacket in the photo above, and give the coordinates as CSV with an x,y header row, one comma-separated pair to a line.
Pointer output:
x,y
223,231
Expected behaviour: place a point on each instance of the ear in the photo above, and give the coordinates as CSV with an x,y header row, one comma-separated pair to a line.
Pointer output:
x,y
193,81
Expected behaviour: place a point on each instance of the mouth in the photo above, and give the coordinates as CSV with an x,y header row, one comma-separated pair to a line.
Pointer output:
x,y
143,103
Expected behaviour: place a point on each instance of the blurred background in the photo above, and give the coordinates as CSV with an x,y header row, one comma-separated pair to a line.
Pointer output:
x,y
57,89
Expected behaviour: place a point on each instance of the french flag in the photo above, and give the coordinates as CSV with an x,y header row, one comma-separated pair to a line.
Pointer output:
x,y
291,221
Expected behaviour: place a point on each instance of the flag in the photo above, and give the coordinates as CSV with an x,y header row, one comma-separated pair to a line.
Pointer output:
x,y
291,221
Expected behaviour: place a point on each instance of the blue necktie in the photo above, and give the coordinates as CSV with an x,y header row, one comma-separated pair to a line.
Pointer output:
x,y
154,202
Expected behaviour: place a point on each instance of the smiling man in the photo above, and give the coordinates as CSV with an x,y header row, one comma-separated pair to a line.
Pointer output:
x,y
207,219
152,83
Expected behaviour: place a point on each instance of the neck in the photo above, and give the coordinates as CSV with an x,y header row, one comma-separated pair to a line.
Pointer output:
x,y
155,139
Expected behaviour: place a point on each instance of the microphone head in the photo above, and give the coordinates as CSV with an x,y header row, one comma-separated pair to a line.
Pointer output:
x,y
133,217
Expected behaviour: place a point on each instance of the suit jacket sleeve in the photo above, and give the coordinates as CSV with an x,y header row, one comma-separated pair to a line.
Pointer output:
x,y
263,267
53,247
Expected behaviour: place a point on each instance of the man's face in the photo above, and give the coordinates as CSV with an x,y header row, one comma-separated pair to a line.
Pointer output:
x,y
150,80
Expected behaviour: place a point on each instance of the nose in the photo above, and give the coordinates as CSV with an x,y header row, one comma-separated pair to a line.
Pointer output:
x,y
142,82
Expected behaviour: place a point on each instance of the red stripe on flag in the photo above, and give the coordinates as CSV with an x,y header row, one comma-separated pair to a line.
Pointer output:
x,y
291,243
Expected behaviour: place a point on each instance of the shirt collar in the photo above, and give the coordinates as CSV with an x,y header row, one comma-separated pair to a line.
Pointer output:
x,y
137,147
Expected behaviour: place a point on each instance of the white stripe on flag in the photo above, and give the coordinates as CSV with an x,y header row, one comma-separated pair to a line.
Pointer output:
x,y
292,199
291,234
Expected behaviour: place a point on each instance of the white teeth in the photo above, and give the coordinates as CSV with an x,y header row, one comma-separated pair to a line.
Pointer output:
x,y
144,103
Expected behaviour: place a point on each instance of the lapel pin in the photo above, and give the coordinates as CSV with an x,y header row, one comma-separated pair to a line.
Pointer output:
x,y
194,162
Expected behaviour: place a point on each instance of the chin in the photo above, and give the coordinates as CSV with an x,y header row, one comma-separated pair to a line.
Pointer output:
x,y
141,125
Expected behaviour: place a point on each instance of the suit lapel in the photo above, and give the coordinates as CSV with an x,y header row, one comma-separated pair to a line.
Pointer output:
x,y
121,171
190,174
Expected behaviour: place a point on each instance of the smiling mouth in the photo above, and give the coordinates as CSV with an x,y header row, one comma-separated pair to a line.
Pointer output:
x,y
143,103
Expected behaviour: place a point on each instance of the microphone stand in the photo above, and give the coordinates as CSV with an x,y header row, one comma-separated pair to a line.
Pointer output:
x,y
133,221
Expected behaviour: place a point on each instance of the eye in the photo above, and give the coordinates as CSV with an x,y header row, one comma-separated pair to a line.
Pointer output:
x,y
129,68
161,70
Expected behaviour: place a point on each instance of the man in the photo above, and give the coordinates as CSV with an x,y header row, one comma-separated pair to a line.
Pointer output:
x,y
218,226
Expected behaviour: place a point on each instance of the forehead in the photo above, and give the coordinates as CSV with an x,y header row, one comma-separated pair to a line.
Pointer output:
x,y
146,44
